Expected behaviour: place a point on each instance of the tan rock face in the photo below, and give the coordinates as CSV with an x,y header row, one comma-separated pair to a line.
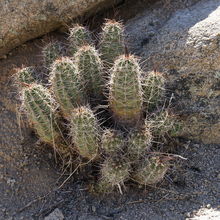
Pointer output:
x,y
187,47
24,20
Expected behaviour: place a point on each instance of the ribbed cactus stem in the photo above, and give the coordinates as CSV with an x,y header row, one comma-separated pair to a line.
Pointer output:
x,y
153,89
114,172
78,37
85,132
151,171
25,76
112,41
40,110
139,143
112,142
51,52
67,85
125,92
90,67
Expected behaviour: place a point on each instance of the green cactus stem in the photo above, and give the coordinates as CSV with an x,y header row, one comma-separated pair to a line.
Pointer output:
x,y
114,172
112,142
151,171
85,132
40,108
25,76
67,85
90,67
153,89
112,41
51,52
78,37
125,92
41,112
139,143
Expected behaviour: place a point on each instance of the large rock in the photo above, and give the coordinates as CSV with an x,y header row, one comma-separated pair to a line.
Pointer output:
x,y
186,46
24,20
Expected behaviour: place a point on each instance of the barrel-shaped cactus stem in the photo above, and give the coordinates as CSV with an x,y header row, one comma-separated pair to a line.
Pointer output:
x,y
67,85
78,37
151,171
40,110
112,142
85,132
90,67
25,76
115,171
125,92
153,89
51,52
111,41
139,143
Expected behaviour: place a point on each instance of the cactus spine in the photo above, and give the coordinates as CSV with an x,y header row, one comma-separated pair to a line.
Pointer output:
x,y
25,75
112,142
90,67
78,37
125,92
112,41
151,171
162,124
51,52
153,89
38,103
114,172
67,85
139,143
85,132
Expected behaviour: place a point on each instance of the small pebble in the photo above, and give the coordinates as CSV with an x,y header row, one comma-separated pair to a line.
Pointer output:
x,y
188,214
93,208
208,206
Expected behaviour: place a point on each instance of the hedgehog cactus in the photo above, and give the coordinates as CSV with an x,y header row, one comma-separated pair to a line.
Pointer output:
x,y
41,112
133,101
114,172
67,85
151,171
139,143
90,67
25,75
78,37
125,92
112,41
153,89
51,52
112,142
85,132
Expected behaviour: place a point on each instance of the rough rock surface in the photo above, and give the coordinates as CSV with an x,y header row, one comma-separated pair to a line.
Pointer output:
x,y
187,48
24,20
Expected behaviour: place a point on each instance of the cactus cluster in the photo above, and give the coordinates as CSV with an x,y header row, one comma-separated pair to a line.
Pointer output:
x,y
123,148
